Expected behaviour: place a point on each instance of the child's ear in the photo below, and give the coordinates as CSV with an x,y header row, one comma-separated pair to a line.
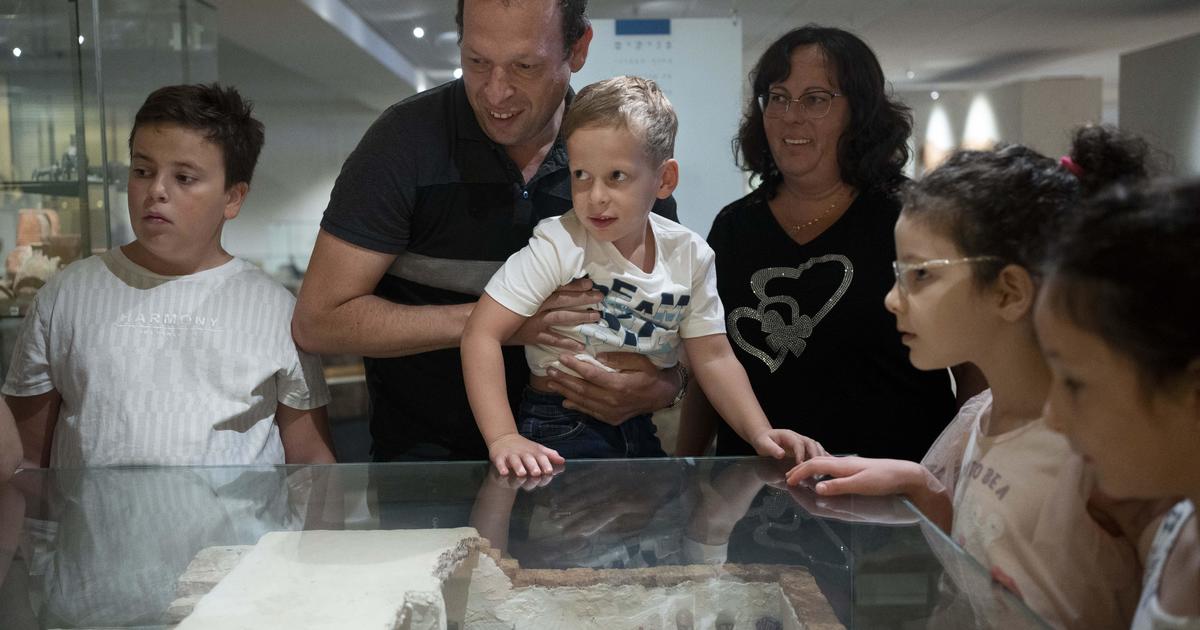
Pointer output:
x,y
1016,292
669,179
234,197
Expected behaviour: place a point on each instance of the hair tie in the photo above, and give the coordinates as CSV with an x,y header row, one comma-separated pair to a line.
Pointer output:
x,y
1072,166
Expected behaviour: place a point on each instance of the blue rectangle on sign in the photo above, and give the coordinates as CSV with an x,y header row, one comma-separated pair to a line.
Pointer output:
x,y
643,27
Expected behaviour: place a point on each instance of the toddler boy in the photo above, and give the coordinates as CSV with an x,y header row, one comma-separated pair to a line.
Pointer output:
x,y
659,288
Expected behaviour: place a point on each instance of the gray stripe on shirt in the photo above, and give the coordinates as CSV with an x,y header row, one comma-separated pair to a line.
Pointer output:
x,y
462,276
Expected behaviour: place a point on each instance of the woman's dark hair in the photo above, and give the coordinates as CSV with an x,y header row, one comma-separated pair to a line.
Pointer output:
x,y
1125,270
1011,201
872,151
219,113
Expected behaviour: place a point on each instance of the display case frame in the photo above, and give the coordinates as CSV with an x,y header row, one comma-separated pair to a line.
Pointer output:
x,y
664,540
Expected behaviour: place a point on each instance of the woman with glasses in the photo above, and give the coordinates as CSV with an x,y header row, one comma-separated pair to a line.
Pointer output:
x,y
803,262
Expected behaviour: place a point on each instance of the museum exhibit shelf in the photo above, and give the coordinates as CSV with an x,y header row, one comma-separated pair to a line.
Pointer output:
x,y
711,543
71,79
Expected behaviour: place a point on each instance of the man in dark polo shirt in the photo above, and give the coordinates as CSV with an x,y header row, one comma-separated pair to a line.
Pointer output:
x,y
442,188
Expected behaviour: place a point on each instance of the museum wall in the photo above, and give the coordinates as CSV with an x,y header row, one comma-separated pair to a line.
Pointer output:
x,y
1160,99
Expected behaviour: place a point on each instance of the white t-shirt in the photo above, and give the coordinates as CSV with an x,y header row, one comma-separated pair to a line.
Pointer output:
x,y
1021,509
1150,614
162,370
646,313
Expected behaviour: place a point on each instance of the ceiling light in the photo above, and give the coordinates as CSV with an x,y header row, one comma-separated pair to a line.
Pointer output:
x,y
935,95
16,52
458,73
81,40
910,74
418,32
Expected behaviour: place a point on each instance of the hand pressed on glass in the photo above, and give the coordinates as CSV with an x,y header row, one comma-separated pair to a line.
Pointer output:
x,y
778,443
515,454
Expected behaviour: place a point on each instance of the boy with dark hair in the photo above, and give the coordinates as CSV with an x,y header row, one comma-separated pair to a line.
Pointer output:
x,y
168,350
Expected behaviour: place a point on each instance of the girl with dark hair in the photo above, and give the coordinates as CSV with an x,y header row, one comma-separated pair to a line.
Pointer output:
x,y
1117,319
802,262
1000,480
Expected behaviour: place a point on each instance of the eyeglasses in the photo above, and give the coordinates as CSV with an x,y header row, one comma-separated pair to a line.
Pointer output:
x,y
908,274
813,104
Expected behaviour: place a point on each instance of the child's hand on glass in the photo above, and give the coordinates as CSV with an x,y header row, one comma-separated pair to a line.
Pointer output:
x,y
515,454
858,475
778,443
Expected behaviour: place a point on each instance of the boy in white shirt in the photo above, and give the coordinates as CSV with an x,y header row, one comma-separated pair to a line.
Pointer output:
x,y
658,283
168,350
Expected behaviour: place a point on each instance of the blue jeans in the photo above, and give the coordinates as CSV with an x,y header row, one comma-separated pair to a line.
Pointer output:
x,y
576,435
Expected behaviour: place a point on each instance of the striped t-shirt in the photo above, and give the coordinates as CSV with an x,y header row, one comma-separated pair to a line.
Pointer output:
x,y
164,370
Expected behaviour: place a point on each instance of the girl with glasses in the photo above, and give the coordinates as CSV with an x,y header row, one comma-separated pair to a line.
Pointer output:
x,y
1117,319
1000,480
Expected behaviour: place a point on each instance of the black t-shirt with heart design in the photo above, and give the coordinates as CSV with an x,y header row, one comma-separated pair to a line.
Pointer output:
x,y
809,325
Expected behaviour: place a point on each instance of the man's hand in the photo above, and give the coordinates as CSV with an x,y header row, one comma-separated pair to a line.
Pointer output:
x,y
560,309
637,387
521,456
778,443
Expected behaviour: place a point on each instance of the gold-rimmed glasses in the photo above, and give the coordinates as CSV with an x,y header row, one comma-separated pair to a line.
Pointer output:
x,y
812,104
909,273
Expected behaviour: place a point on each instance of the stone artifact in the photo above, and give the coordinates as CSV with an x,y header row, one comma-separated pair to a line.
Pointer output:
x,y
377,579
450,579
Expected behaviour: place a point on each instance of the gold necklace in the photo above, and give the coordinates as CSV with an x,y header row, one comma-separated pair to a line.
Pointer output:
x,y
817,219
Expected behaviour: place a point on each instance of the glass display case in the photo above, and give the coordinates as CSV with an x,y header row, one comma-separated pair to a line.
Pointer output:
x,y
663,544
72,75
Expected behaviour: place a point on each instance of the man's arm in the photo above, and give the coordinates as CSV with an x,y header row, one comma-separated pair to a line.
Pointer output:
x,y
305,435
337,311
36,417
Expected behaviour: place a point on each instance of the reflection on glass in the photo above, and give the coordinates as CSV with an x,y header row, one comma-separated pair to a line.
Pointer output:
x,y
600,544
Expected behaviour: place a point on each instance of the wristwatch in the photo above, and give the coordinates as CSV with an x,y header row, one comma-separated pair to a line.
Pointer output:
x,y
683,385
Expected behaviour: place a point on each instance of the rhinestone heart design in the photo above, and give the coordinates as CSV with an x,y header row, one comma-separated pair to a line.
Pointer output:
x,y
784,337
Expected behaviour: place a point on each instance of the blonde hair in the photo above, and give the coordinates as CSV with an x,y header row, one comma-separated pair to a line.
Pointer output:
x,y
631,103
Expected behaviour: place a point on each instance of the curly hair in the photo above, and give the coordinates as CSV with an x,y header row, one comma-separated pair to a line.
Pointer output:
x,y
872,151
220,113
575,22
1126,272
1010,202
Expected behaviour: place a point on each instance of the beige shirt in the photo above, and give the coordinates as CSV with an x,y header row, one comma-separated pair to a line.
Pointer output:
x,y
1020,508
